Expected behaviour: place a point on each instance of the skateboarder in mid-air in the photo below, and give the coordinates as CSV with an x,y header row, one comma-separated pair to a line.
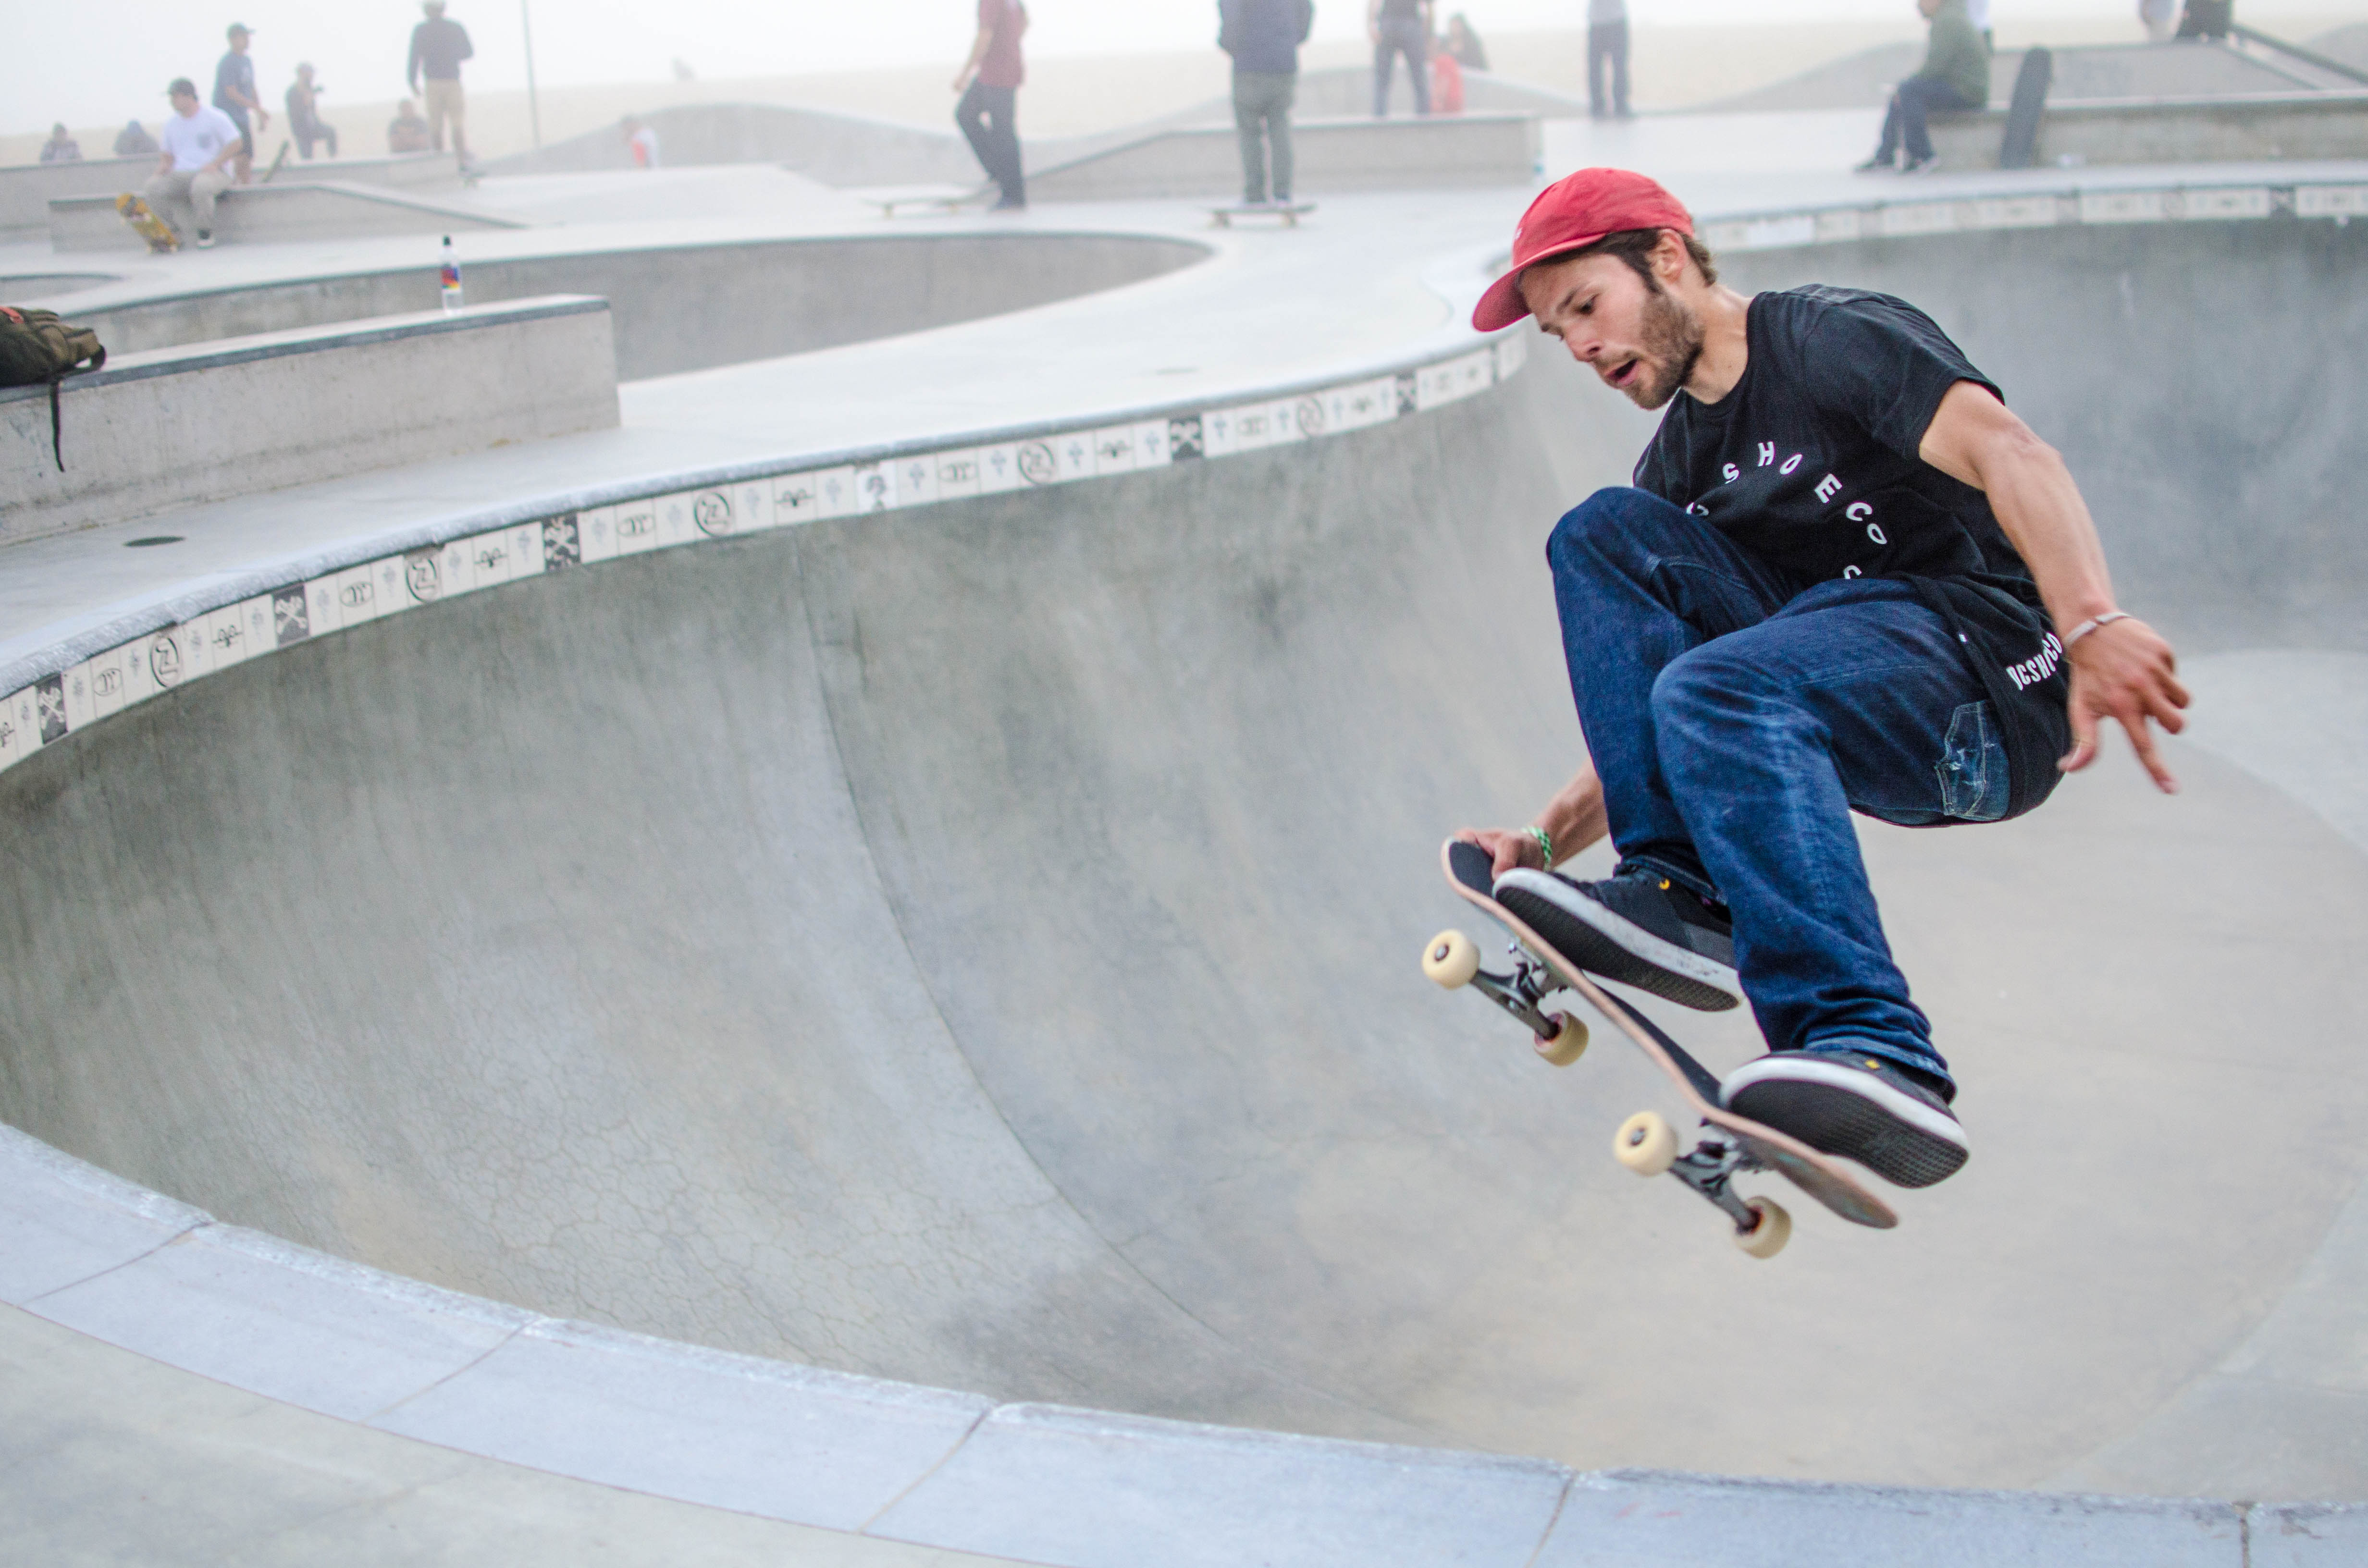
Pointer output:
x,y
1836,584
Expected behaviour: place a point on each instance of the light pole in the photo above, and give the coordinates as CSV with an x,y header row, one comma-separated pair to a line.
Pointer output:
x,y
533,107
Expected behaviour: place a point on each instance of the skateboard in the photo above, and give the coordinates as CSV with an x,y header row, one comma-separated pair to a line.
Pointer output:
x,y
1731,1145
2019,147
943,198
144,223
1288,211
279,162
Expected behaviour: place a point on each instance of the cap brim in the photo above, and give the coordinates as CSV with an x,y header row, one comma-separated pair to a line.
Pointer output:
x,y
1501,305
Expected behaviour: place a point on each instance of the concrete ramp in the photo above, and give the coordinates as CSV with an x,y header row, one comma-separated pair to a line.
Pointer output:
x,y
975,944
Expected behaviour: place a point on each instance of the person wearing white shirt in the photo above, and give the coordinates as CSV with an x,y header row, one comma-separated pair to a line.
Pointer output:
x,y
197,141
1978,13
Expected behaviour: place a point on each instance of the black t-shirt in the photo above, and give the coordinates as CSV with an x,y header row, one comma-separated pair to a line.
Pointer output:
x,y
1810,464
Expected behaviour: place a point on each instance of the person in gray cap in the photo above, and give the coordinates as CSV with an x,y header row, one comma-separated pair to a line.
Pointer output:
x,y
235,95
437,46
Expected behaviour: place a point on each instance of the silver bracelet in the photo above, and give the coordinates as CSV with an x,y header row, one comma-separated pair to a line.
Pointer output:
x,y
2093,622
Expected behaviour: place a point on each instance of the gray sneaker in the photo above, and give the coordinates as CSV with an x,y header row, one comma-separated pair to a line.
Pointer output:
x,y
1854,1103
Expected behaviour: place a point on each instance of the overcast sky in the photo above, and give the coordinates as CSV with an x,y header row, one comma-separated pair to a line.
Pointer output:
x,y
101,62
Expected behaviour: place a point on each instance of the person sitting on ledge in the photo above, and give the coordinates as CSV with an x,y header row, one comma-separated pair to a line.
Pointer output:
x,y
60,148
198,141
133,140
407,131
1955,76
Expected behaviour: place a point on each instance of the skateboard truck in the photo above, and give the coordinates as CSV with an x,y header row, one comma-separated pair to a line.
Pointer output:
x,y
1451,960
1648,1146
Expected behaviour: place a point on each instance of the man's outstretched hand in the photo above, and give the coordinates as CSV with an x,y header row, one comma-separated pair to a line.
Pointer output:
x,y
2123,670
1508,847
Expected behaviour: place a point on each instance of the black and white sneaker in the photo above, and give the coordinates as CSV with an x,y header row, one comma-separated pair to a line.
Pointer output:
x,y
1858,1106
1636,927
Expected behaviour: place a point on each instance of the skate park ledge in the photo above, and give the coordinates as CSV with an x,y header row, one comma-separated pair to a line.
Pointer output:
x,y
318,210
208,421
1029,1482
2168,131
27,189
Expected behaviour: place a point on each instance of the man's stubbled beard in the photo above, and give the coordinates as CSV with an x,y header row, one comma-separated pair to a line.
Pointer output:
x,y
1673,339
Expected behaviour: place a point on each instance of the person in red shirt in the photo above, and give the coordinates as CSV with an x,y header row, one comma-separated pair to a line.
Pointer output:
x,y
989,85
1446,83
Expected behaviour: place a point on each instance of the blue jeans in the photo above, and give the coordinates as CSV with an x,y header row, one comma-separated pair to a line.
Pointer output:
x,y
988,116
1736,719
1394,37
1912,103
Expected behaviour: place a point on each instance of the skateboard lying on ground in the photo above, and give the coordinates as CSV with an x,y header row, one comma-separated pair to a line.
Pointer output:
x,y
943,198
1288,211
144,223
1731,1144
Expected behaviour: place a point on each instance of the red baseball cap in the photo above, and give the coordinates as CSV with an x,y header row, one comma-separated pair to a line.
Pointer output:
x,y
1572,214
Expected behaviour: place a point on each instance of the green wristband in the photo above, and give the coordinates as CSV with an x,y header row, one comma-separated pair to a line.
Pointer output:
x,y
1546,844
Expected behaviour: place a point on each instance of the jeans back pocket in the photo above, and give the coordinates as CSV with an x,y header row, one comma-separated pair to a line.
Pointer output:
x,y
1972,766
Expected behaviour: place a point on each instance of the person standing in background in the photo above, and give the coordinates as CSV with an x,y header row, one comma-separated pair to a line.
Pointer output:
x,y
2159,18
989,84
640,141
235,95
1263,38
304,121
1466,45
1446,82
60,148
1607,55
437,46
1399,27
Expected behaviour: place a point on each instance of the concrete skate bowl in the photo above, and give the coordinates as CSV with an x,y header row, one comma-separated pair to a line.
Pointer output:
x,y
975,944
694,307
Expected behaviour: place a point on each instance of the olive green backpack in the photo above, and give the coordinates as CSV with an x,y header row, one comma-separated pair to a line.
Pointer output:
x,y
36,346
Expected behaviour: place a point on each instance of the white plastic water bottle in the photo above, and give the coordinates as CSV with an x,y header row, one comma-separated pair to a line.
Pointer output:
x,y
451,277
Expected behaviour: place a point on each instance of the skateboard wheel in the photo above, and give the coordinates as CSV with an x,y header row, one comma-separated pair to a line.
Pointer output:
x,y
1646,1145
1451,960
1767,1238
1568,1044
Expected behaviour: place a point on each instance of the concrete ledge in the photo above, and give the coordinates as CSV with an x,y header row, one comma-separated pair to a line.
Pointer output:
x,y
1046,1484
1618,1517
2169,131
1031,1483
322,209
27,189
1440,153
241,415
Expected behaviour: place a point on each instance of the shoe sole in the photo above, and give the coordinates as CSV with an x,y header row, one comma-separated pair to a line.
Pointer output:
x,y
1603,943
1840,1110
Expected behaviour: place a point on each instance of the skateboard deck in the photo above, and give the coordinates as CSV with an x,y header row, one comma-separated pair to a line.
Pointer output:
x,y
1289,213
142,222
279,162
2020,146
1732,1144
943,198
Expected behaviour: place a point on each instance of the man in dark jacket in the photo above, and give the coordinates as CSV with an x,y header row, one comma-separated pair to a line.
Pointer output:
x,y
1263,37
437,46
